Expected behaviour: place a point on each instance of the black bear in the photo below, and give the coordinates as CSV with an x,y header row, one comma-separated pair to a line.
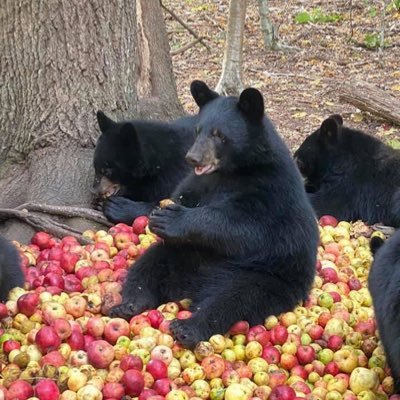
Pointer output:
x,y
241,238
384,285
139,163
10,270
350,175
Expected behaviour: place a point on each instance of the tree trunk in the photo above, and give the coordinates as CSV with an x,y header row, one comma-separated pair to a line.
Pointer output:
x,y
369,98
230,82
61,61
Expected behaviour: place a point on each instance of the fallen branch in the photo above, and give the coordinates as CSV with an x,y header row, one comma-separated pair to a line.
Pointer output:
x,y
184,48
369,98
65,211
43,224
187,27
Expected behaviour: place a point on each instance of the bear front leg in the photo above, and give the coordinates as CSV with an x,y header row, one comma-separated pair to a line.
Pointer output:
x,y
121,209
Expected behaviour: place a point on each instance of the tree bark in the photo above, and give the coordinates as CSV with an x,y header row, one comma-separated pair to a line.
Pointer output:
x,y
230,82
369,98
61,61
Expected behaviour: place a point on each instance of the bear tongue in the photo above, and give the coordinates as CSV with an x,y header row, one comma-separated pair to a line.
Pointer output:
x,y
202,170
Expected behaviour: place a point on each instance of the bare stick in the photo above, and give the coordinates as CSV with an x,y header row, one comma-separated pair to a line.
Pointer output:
x,y
186,47
43,224
173,15
66,211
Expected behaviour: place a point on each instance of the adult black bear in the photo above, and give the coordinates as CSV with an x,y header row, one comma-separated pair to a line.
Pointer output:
x,y
384,285
10,271
351,175
242,240
139,163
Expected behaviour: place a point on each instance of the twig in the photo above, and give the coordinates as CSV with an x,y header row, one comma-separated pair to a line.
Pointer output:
x,y
66,211
186,47
382,34
43,224
173,15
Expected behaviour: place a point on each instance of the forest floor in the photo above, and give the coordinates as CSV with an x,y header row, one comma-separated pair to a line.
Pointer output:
x,y
300,88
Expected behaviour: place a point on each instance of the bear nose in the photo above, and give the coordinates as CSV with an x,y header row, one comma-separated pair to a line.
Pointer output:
x,y
193,158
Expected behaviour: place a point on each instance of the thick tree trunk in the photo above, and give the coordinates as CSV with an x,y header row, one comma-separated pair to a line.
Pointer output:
x,y
230,82
61,61
369,98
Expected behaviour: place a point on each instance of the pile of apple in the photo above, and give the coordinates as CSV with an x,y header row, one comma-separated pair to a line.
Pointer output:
x,y
57,342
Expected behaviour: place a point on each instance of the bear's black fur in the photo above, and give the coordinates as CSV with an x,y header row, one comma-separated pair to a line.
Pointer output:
x,y
139,163
384,285
241,241
351,175
11,274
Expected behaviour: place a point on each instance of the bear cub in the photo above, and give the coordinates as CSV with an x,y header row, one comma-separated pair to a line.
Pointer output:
x,y
241,239
11,274
350,175
384,285
138,163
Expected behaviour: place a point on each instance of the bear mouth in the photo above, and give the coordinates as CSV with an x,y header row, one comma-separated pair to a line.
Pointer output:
x,y
205,169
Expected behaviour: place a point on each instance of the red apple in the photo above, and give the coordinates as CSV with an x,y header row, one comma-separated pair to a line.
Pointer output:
x,y
271,354
62,328
133,382
315,332
329,275
155,317
53,358
20,390
28,303
47,389
146,393
157,368
163,386
139,224
95,327
41,239
331,368
328,220
72,284
115,328
100,353
76,340
241,327
282,392
299,370
68,261
113,390
3,311
288,361
354,284
47,339
122,240
279,334
138,322
10,345
53,279
305,354
335,342
131,362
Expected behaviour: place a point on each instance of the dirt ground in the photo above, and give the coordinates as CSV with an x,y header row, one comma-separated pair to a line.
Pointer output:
x,y
300,88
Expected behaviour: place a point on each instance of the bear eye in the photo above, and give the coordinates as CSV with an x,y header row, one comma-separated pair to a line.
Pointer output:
x,y
218,134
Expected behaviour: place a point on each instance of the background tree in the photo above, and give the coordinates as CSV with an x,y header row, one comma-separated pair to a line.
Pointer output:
x,y
58,65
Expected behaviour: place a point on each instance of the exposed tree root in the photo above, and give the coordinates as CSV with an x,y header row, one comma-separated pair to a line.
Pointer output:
x,y
30,214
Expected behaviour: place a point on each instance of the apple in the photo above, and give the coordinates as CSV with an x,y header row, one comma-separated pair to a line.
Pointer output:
x,y
299,370
139,225
114,390
46,389
100,353
20,390
328,220
54,358
68,261
335,342
72,284
305,354
271,354
315,332
41,239
157,368
131,362
288,361
346,360
354,284
28,303
115,328
331,368
95,327
47,339
329,275
276,378
279,334
163,386
133,382
10,345
76,340
237,391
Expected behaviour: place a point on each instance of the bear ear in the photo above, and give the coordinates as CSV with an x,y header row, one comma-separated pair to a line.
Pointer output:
x,y
338,118
104,122
201,93
251,103
330,131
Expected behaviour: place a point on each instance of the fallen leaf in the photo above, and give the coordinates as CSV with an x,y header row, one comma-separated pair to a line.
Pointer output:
x,y
299,115
357,117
